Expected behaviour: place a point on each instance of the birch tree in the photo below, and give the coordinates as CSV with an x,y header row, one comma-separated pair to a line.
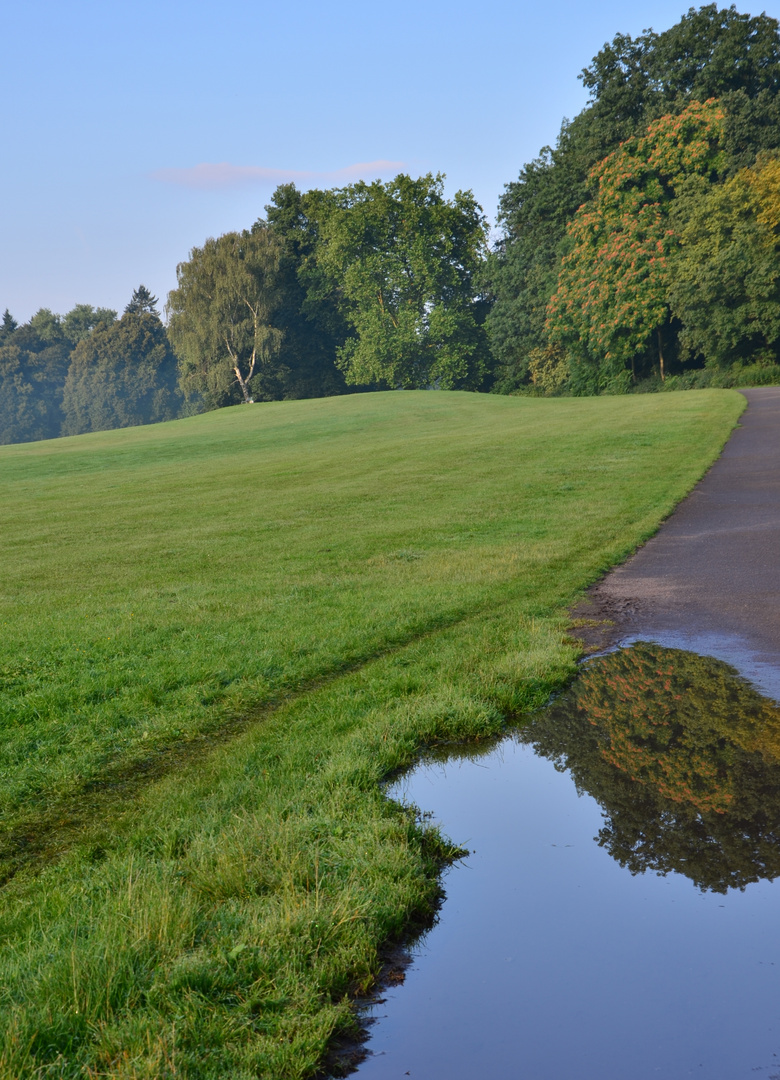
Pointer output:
x,y
221,316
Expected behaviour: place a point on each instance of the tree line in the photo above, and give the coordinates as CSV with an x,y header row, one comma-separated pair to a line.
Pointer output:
x,y
86,371
644,244
642,251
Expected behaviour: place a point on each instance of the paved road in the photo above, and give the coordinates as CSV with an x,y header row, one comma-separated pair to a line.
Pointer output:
x,y
709,580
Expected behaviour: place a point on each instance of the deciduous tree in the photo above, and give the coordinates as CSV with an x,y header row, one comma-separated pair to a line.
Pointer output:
x,y
309,316
222,315
81,320
725,285
121,375
403,261
711,52
611,302
33,367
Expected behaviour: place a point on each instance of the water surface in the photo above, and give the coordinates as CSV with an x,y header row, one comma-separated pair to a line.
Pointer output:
x,y
617,916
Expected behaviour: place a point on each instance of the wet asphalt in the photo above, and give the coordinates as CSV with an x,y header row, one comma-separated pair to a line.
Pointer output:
x,y
709,580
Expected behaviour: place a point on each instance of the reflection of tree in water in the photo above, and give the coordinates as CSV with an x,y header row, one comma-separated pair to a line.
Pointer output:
x,y
684,758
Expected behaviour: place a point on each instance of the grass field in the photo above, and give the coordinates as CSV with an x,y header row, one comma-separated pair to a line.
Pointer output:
x,y
219,636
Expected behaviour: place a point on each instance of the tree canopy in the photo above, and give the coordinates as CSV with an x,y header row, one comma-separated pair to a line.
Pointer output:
x,y
221,315
85,371
141,300
587,261
725,289
612,297
402,261
32,376
122,375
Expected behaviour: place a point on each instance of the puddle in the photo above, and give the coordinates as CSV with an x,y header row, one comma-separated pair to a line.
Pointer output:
x,y
618,915
759,667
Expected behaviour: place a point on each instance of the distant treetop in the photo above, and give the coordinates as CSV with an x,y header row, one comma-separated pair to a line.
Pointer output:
x,y
81,320
142,301
8,325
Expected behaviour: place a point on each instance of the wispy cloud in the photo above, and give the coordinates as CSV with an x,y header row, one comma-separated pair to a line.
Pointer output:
x,y
215,176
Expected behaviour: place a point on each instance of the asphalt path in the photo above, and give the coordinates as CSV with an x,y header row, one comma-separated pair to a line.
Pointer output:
x,y
709,580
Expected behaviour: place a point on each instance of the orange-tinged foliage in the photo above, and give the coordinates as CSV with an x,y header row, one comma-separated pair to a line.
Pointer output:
x,y
613,283
683,757
661,734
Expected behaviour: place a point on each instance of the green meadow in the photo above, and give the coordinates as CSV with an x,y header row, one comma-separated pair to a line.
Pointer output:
x,y
220,636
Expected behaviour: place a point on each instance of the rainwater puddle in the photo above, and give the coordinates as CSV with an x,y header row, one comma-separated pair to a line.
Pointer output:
x,y
617,917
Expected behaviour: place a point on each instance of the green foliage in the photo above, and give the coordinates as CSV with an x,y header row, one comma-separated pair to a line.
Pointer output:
x,y
9,324
709,53
725,285
523,269
221,318
85,372
634,83
225,606
141,300
549,370
48,326
79,323
403,261
312,325
738,375
613,284
122,374
33,367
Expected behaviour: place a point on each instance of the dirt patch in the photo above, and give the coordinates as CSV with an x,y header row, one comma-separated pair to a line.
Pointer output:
x,y
600,619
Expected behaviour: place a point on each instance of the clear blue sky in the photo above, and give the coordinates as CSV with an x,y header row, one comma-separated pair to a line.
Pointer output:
x,y
135,130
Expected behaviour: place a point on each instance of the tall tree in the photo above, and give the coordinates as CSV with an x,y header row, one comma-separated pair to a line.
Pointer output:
x,y
632,81
122,374
522,270
308,315
711,52
403,262
725,285
221,318
33,368
612,300
81,320
8,325
48,326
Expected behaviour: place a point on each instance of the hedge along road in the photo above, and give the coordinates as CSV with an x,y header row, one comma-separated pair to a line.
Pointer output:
x,y
709,580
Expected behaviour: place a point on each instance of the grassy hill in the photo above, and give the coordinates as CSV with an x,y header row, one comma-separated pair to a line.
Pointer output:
x,y
219,635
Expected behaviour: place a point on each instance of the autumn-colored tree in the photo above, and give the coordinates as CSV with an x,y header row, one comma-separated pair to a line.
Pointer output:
x,y
713,51
611,303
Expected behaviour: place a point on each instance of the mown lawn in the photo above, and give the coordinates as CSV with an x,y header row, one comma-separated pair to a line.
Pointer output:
x,y
219,636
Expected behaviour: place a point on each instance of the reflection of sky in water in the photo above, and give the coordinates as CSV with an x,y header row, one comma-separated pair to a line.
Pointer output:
x,y
552,961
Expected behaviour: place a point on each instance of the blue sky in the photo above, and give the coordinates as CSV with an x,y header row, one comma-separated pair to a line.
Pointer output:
x,y
135,130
